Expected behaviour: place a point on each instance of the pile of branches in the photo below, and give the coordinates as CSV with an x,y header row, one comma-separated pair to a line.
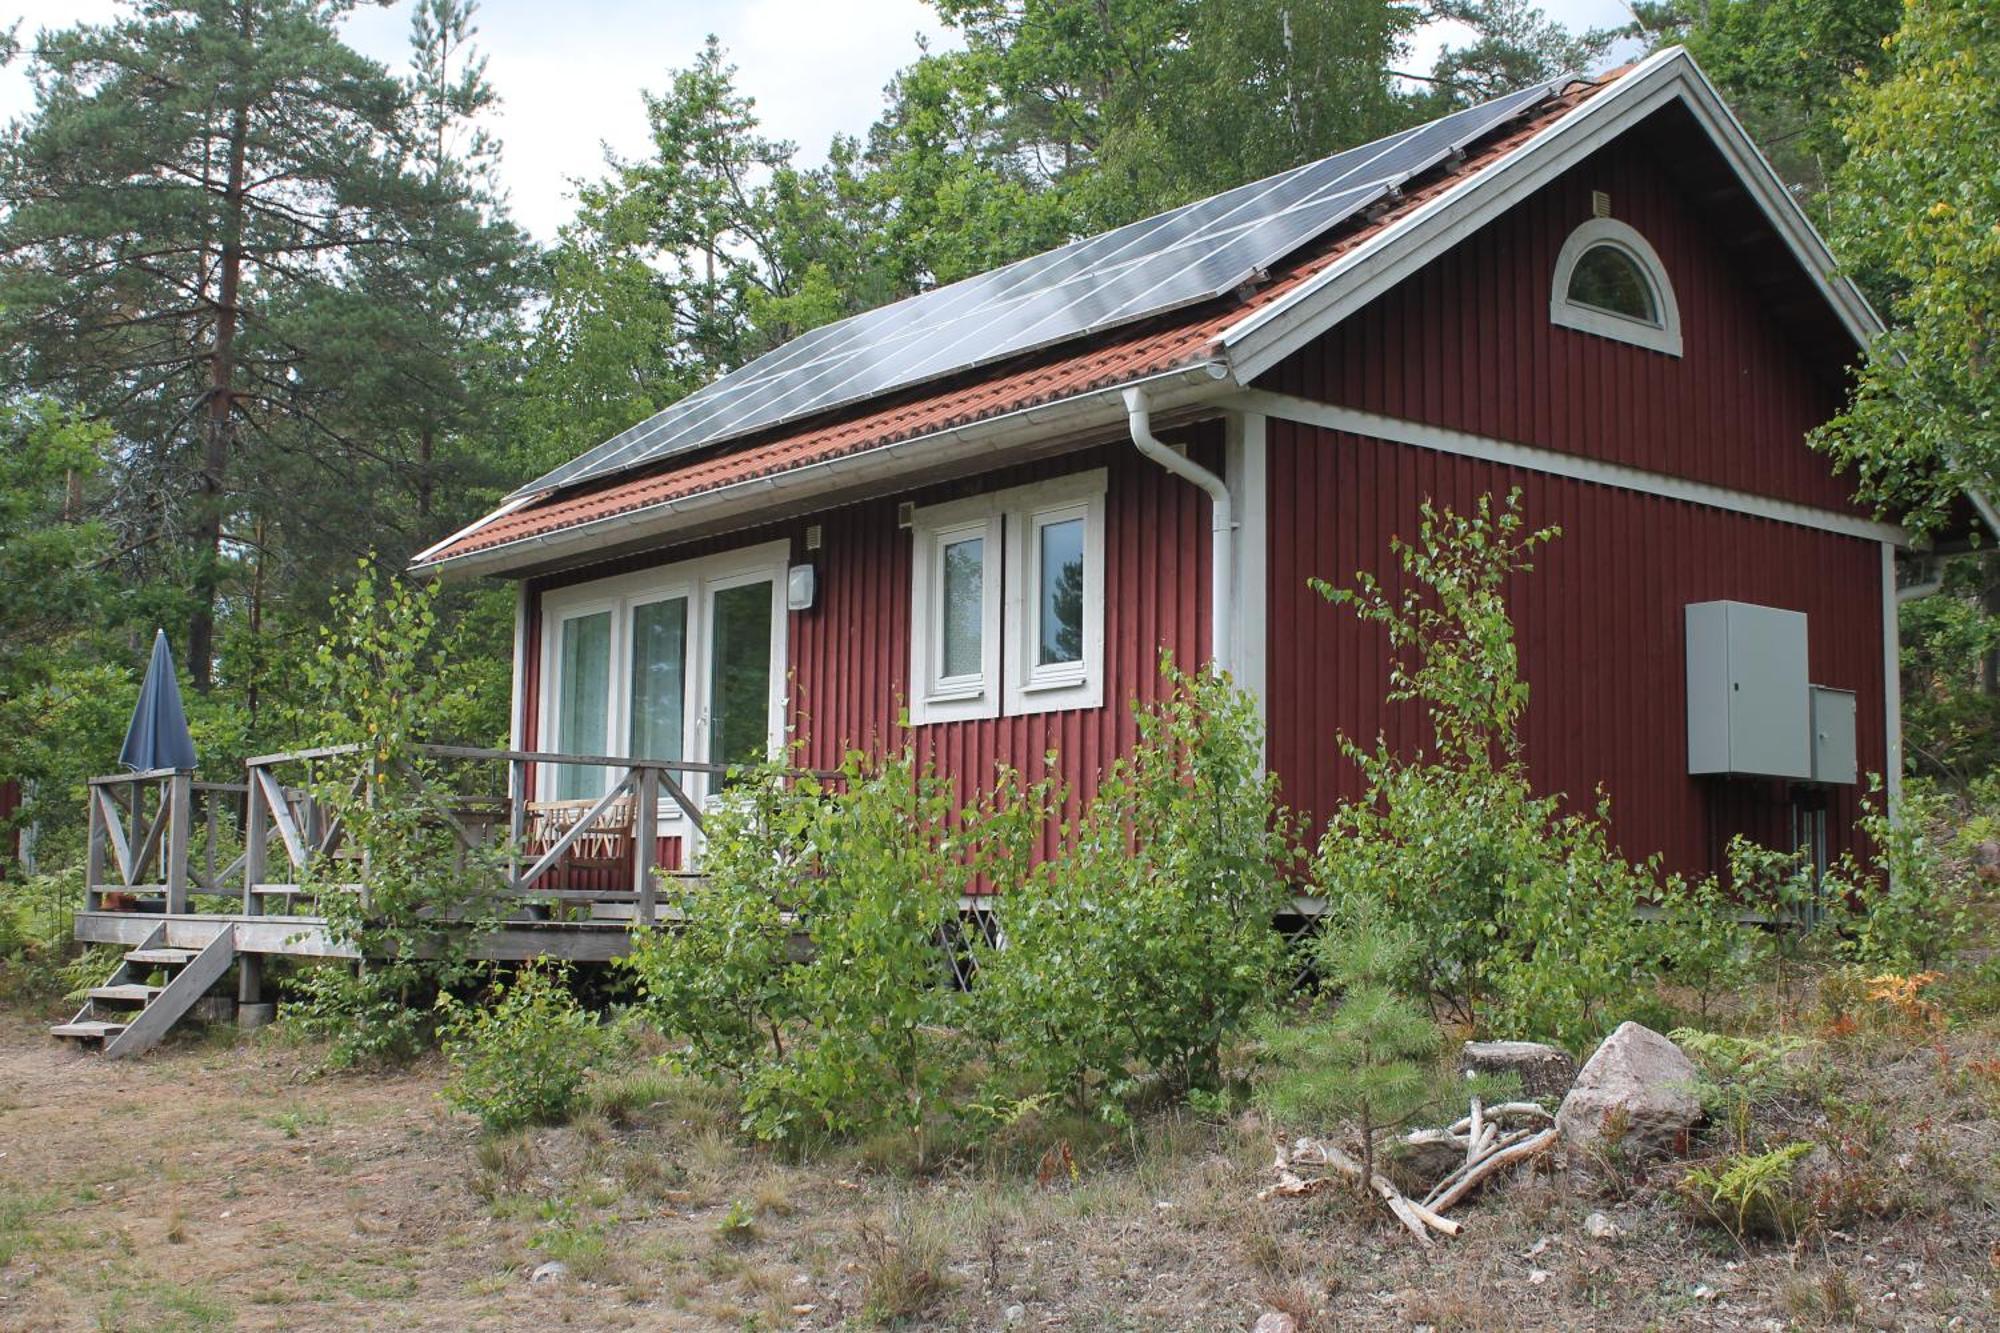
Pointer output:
x,y
1493,1139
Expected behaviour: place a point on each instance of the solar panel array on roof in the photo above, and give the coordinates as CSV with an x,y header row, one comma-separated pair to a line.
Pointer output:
x,y
1193,253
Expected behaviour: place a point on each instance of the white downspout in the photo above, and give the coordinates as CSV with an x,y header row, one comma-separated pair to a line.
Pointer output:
x,y
1221,579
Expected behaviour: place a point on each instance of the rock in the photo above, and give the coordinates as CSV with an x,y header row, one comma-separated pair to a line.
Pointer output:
x,y
1014,1314
549,1274
1986,861
1545,1072
1600,1227
1639,1089
1275,1321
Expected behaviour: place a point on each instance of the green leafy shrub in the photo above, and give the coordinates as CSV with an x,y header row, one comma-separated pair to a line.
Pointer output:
x,y
1912,900
1523,915
1781,888
36,916
1146,942
719,979
888,858
1702,937
523,1058
390,677
812,973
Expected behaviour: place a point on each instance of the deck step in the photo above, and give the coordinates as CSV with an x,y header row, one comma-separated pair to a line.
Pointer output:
x,y
160,957
127,992
88,1029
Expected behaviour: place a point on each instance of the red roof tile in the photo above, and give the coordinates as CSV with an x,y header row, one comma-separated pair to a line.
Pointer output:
x,y
1122,357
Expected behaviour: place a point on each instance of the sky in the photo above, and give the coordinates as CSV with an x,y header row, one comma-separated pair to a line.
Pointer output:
x,y
569,73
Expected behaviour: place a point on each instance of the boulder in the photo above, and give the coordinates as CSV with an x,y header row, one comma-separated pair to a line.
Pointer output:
x,y
1545,1072
1275,1321
1639,1089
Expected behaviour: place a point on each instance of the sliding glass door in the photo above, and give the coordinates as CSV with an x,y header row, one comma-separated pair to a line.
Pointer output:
x,y
739,673
659,679
583,700
681,662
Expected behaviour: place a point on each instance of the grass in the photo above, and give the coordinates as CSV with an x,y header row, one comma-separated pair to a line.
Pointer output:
x,y
23,1221
902,1264
293,1121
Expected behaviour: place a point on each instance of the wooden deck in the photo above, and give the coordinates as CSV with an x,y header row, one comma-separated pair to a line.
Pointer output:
x,y
308,937
198,881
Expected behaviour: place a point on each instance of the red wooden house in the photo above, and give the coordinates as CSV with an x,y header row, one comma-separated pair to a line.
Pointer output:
x,y
958,506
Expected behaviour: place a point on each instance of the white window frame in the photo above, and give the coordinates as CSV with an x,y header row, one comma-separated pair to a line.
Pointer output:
x,y
1011,679
934,696
622,594
1664,336
1031,686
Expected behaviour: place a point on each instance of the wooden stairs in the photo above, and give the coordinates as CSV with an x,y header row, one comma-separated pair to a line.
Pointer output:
x,y
129,1013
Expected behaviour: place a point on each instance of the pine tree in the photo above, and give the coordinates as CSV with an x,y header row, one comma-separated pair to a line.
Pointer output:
x,y
189,221
1370,1058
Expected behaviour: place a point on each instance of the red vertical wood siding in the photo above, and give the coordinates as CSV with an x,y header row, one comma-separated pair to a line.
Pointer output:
x,y
1599,622
849,656
1467,343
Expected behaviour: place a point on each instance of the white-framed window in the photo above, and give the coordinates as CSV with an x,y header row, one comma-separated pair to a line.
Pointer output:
x,y
1609,281
1007,602
955,613
685,662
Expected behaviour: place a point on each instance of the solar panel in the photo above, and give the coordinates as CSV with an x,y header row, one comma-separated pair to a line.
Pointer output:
x,y
1191,254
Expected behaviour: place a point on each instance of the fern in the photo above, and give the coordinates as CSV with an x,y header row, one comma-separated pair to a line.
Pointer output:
x,y
1750,1190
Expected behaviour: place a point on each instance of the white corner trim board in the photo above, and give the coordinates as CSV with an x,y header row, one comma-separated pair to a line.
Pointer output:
x,y
1892,693
1553,463
1245,466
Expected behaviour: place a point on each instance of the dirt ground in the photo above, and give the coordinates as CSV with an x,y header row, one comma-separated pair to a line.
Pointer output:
x,y
223,1182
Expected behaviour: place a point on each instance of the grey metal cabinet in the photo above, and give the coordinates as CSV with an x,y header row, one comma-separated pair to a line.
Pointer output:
x,y
1833,756
1749,703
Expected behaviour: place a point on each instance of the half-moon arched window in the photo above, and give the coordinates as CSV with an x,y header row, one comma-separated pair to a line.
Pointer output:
x,y
1610,282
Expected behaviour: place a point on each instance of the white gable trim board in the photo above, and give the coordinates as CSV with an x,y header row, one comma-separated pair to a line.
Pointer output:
x,y
1263,339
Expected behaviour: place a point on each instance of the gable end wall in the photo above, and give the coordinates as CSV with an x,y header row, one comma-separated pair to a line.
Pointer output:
x,y
1467,344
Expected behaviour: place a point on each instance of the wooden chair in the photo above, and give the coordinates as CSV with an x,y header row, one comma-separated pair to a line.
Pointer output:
x,y
606,845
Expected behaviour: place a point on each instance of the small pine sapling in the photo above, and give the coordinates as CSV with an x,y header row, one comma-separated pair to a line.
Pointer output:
x,y
1371,1059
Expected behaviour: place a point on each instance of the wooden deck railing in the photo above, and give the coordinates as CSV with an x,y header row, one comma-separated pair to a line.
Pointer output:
x,y
161,833
293,841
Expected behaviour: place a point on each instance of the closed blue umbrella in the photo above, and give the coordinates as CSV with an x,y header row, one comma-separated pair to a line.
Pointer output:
x,y
158,736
